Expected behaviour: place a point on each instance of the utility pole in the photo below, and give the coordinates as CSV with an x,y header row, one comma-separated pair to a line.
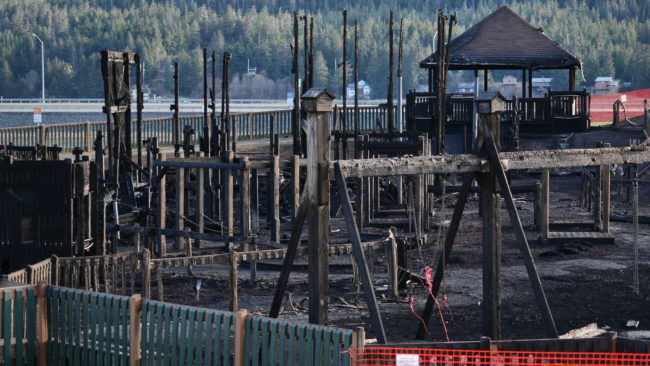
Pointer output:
x,y
389,94
344,119
42,67
400,106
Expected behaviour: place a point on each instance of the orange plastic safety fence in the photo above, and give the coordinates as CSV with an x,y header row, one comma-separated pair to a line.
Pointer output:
x,y
376,356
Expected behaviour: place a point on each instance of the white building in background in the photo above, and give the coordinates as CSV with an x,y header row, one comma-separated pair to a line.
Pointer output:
x,y
605,85
364,90
541,85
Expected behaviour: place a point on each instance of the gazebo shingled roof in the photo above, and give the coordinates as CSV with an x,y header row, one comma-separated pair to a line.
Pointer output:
x,y
503,40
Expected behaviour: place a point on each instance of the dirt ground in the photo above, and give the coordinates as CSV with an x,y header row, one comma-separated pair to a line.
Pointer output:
x,y
584,282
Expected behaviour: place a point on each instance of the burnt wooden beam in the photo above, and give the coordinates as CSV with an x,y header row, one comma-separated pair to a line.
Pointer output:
x,y
448,246
359,256
522,241
517,160
283,280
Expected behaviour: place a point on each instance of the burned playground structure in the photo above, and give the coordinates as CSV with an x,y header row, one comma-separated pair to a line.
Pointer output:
x,y
352,201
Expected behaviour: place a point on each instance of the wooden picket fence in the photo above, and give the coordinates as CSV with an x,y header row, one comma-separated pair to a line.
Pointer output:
x,y
52,325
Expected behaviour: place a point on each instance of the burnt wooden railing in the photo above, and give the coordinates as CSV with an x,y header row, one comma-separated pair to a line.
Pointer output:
x,y
251,125
558,112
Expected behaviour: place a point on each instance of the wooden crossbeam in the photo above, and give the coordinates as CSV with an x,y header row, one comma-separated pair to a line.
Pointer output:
x,y
518,160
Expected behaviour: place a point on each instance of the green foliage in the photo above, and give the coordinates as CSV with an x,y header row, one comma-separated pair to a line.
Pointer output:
x,y
610,36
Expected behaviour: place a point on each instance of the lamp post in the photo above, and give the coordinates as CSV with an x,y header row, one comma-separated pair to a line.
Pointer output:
x,y
42,67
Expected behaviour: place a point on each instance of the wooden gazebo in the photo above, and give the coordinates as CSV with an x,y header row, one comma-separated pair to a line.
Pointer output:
x,y
505,41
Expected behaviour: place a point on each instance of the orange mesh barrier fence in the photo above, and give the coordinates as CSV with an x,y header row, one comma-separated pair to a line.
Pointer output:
x,y
376,356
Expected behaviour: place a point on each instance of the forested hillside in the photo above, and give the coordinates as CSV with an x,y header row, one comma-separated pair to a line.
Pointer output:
x,y
612,37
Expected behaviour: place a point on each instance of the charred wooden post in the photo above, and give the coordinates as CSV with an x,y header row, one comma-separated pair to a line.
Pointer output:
x,y
392,264
245,209
253,263
205,142
359,256
305,41
228,195
295,119
646,117
572,78
400,93
99,214
337,132
234,278
367,207
544,221
606,177
344,87
146,270
391,67
176,106
161,210
295,185
310,77
199,216
274,198
598,200
227,142
489,114
317,104
139,107
214,137
359,204
357,128
180,207
255,202
213,180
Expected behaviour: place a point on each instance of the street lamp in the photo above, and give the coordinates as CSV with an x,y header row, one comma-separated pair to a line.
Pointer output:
x,y
42,67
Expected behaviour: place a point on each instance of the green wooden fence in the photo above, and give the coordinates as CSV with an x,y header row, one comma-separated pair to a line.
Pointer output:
x,y
79,327
174,334
18,325
274,342
86,328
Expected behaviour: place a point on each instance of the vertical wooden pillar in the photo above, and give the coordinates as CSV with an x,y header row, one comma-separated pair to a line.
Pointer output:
x,y
274,198
234,297
200,202
605,184
359,199
245,199
419,190
366,184
146,271
161,211
99,215
227,199
295,185
598,201
572,78
544,204
180,206
255,202
427,199
490,204
317,106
